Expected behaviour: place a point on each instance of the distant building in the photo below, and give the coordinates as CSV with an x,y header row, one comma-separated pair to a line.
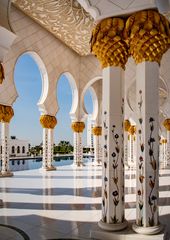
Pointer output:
x,y
17,147
90,138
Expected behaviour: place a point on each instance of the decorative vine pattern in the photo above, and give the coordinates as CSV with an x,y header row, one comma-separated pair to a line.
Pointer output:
x,y
65,19
140,190
152,199
115,157
122,161
105,179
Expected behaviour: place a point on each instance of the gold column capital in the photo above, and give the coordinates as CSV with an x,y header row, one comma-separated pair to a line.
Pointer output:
x,y
107,42
48,121
2,75
126,125
148,35
166,124
78,127
97,131
6,113
164,141
132,130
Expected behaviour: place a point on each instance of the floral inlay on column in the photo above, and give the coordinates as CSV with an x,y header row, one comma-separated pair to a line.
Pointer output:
x,y
152,199
2,75
140,190
109,46
122,161
105,179
115,157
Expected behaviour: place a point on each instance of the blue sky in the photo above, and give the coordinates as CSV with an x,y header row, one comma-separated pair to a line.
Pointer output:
x,y
25,123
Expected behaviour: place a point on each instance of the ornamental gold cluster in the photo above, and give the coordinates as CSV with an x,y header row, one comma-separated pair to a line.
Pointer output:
x,y
6,113
1,73
163,141
126,125
166,124
97,131
107,43
48,121
78,127
132,130
145,36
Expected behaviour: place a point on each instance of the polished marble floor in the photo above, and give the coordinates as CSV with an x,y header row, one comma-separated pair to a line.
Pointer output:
x,y
64,203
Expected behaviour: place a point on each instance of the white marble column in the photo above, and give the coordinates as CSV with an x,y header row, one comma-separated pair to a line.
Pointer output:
x,y
166,124
78,149
97,151
129,147
48,123
147,78
5,150
131,162
45,149
97,133
50,149
127,126
161,154
126,152
113,218
168,147
78,128
132,157
166,152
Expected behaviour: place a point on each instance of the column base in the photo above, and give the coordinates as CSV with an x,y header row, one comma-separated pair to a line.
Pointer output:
x,y
43,169
46,169
126,234
6,174
51,168
78,164
147,230
111,227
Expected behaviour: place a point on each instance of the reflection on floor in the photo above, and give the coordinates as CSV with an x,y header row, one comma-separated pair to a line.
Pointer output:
x,y
64,203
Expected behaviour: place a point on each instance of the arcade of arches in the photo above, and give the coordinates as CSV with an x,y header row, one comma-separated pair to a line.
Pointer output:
x,y
126,65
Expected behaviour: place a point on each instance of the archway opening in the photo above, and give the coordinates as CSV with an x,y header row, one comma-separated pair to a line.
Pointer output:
x,y
89,108
66,91
27,76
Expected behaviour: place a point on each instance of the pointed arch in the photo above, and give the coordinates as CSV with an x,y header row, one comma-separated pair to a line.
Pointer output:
x,y
93,94
74,91
43,73
94,102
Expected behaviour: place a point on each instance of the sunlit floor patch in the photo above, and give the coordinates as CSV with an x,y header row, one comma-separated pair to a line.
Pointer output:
x,y
64,204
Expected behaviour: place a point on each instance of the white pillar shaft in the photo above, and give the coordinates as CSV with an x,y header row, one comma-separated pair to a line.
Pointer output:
x,y
131,150
165,154
78,149
168,147
97,150
161,153
5,147
45,148
113,166
50,147
126,148
129,147
147,77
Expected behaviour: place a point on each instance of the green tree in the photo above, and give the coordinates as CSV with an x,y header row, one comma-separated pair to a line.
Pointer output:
x,y
63,147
